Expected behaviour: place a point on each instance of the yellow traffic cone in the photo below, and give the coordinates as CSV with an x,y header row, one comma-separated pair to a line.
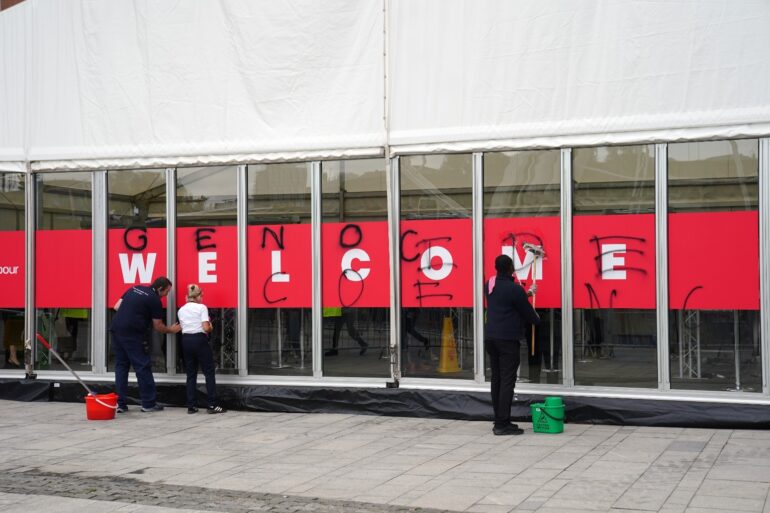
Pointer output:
x,y
448,359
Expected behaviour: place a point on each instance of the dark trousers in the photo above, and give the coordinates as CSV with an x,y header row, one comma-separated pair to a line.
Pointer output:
x,y
504,359
196,349
345,319
129,352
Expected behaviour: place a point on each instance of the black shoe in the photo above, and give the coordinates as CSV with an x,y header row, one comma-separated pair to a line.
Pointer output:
x,y
192,410
122,409
511,429
216,409
364,347
331,352
153,409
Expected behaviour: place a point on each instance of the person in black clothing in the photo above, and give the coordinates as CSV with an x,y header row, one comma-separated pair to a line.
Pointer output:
x,y
508,313
136,311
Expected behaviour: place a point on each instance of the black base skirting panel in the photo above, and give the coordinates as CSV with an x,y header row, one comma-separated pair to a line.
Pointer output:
x,y
419,403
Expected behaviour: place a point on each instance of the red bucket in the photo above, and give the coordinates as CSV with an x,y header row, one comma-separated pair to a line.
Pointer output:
x,y
101,406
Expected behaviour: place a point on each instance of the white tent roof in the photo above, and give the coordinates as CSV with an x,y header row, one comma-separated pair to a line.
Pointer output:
x,y
121,84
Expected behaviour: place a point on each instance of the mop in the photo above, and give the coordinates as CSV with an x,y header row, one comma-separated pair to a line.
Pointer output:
x,y
90,392
538,253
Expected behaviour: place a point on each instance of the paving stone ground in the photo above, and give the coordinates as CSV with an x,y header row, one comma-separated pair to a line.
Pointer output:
x,y
53,459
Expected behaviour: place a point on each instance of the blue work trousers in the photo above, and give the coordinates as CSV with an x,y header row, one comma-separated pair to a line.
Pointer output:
x,y
129,352
197,351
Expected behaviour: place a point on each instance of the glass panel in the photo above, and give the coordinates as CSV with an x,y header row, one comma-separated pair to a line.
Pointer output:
x,y
12,270
522,201
355,264
714,319
613,237
136,244
279,268
207,253
436,266
63,256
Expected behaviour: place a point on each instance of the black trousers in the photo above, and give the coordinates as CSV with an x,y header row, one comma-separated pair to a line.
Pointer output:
x,y
504,356
197,351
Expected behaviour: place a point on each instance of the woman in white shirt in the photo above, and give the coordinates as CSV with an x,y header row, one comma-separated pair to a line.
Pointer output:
x,y
196,325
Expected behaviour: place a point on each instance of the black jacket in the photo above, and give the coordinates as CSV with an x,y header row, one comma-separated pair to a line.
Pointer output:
x,y
508,310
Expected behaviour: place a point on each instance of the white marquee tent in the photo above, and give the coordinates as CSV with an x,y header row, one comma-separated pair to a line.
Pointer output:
x,y
92,84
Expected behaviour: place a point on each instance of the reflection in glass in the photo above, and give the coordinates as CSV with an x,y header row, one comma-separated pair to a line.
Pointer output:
x,y
12,281
64,217
206,197
714,320
436,189
136,199
355,339
614,346
526,184
279,337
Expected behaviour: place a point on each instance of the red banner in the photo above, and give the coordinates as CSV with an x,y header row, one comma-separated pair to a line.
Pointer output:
x,y
437,263
63,269
713,261
12,269
208,256
355,264
280,266
512,236
614,261
134,256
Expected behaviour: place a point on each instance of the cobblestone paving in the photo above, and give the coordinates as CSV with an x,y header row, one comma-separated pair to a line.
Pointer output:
x,y
117,489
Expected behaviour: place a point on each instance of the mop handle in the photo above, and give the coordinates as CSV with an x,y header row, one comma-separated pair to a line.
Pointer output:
x,y
48,346
534,282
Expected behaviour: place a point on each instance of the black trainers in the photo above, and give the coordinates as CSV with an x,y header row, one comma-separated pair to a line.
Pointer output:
x,y
510,429
331,352
153,409
364,347
192,410
216,409
122,409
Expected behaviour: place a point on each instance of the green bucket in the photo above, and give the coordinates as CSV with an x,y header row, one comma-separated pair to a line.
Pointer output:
x,y
548,417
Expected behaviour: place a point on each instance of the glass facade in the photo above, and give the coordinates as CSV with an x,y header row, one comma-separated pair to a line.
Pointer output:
x,y
713,258
522,205
12,270
279,282
436,302
206,254
136,244
318,238
63,264
613,255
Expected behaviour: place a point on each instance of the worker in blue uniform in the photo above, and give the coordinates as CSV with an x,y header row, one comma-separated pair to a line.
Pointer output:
x,y
138,311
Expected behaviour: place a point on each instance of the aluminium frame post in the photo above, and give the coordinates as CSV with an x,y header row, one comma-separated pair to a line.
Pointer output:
x,y
392,166
477,213
764,254
661,265
242,314
567,338
30,314
171,355
99,272
315,219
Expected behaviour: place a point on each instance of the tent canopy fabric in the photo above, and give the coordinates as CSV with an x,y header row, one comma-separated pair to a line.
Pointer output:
x,y
145,83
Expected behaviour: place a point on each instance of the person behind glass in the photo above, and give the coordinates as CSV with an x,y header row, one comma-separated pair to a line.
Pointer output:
x,y
136,311
196,325
508,313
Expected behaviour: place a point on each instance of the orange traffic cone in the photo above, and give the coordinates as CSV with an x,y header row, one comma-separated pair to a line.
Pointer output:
x,y
448,359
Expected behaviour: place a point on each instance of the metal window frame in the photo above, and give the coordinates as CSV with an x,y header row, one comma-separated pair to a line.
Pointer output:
x,y
30,219
171,356
314,168
661,264
477,213
393,189
567,328
99,200
764,254
242,323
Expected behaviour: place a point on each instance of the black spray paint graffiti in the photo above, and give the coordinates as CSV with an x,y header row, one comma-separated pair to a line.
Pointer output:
x,y
598,259
420,284
200,237
350,274
687,297
279,241
142,239
515,237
